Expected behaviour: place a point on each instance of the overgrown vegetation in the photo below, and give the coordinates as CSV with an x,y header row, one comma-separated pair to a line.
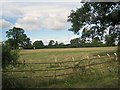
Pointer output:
x,y
9,56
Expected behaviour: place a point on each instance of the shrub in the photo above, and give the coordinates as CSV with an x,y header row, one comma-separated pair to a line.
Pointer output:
x,y
8,56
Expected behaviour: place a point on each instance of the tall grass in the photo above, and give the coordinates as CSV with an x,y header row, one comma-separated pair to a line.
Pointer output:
x,y
105,76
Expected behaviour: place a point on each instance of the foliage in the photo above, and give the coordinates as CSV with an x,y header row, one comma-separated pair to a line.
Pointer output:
x,y
17,38
51,43
118,49
38,44
94,18
76,42
8,56
27,44
56,44
110,40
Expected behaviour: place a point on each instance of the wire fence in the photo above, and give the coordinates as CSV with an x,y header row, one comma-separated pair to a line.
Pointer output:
x,y
75,65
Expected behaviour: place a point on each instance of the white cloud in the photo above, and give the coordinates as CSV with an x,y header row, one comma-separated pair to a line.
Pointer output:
x,y
35,16
48,17
5,24
28,23
55,21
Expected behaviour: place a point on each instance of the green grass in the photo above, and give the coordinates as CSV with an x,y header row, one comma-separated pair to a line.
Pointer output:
x,y
98,76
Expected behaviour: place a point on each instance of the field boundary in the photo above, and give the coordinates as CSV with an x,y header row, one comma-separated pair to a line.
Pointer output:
x,y
74,66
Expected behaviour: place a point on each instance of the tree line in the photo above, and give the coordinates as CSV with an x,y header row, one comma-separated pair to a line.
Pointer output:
x,y
17,39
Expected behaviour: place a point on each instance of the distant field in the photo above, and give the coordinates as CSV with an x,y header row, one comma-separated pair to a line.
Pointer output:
x,y
71,49
101,75
48,55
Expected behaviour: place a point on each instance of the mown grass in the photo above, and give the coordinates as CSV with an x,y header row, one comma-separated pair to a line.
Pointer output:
x,y
98,76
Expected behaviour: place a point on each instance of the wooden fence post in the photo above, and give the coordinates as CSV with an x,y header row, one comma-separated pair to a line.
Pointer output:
x,y
108,55
31,69
73,64
88,57
99,56
73,61
23,64
55,69
116,58
88,60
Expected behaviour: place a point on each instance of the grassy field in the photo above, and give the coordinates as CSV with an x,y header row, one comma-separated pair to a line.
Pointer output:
x,y
103,75
49,55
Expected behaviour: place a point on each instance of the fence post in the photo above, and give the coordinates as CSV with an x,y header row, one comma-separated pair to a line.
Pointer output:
x,y
108,55
55,69
73,64
88,57
31,69
73,61
23,63
99,56
116,58
88,60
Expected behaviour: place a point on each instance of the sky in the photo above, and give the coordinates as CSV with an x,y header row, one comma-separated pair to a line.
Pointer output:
x,y
41,20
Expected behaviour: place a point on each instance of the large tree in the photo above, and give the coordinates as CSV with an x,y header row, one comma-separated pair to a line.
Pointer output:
x,y
95,20
38,44
17,37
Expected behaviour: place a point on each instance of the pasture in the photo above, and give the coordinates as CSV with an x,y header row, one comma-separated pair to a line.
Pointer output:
x,y
56,68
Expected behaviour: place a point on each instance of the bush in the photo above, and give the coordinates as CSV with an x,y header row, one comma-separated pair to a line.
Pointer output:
x,y
8,56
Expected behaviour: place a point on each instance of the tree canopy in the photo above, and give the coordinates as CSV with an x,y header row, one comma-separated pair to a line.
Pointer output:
x,y
17,37
76,42
38,44
96,20
51,43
